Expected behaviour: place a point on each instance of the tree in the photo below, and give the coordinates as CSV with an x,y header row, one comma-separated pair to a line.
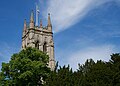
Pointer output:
x,y
26,68
94,74
86,67
100,74
62,77
115,67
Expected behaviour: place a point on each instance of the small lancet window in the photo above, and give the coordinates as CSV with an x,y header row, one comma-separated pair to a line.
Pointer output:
x,y
45,48
25,46
37,45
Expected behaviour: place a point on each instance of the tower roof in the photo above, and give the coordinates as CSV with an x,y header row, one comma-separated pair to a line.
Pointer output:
x,y
49,20
32,17
25,25
32,20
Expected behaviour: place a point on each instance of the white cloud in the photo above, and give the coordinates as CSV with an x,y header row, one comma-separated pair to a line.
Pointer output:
x,y
102,52
65,13
68,12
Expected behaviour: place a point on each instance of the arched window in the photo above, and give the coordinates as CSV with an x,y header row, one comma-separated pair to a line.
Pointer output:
x,y
45,48
37,45
25,46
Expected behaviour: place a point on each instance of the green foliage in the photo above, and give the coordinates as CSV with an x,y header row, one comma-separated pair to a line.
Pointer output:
x,y
61,77
85,68
28,67
99,75
115,65
89,74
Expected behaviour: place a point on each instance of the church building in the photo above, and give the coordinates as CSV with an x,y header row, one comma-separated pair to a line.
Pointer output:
x,y
40,37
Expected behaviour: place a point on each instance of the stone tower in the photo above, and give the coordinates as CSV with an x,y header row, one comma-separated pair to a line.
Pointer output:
x,y
39,37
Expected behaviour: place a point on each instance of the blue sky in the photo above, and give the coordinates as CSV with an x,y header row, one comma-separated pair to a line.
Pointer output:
x,y
83,29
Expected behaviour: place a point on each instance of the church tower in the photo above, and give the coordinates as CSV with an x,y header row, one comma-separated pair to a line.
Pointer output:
x,y
40,37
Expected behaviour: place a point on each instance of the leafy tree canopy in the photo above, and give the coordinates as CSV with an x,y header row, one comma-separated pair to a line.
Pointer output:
x,y
29,68
90,73
26,68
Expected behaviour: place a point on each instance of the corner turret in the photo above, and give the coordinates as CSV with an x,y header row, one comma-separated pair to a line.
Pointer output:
x,y
49,23
25,28
32,20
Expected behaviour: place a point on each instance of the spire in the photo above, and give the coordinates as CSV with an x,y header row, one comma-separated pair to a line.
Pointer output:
x,y
32,17
32,20
25,28
49,21
25,25
40,22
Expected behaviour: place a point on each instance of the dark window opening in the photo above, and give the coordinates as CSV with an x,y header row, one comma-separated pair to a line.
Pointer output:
x,y
44,48
25,46
37,45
